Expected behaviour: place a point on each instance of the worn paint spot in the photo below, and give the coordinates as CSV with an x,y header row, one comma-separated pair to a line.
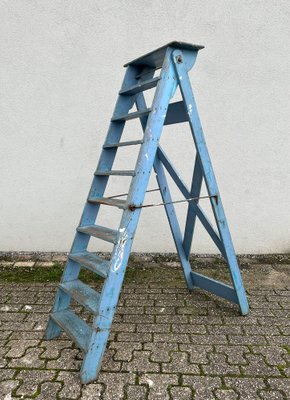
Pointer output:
x,y
120,251
189,110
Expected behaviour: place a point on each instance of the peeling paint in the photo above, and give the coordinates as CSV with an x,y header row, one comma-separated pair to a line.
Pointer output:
x,y
120,252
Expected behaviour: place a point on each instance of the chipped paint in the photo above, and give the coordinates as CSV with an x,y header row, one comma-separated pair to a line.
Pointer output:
x,y
189,110
120,252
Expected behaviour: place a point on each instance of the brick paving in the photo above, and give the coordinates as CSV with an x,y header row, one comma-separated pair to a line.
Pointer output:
x,y
166,343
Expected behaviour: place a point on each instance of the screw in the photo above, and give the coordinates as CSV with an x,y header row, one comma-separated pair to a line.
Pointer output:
x,y
179,59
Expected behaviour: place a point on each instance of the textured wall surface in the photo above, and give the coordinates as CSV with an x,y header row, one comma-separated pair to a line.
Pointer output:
x,y
60,71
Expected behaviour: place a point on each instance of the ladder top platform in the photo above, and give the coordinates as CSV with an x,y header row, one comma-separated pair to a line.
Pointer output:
x,y
155,58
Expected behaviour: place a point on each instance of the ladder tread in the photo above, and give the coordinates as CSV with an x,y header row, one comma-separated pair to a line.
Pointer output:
x,y
83,294
75,327
107,234
132,115
92,262
120,144
140,87
109,202
116,172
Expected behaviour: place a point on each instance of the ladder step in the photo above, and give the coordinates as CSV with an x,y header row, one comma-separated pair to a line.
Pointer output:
x,y
135,114
109,235
83,294
140,87
120,144
109,202
75,328
92,262
116,172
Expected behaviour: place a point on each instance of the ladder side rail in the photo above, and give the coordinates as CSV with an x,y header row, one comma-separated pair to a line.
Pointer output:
x,y
210,180
120,255
81,240
169,208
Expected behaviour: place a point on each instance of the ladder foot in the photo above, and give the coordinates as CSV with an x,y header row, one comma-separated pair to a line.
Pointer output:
x,y
93,358
52,330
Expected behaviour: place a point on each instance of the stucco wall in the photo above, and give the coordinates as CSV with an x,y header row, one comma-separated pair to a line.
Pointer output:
x,y
60,71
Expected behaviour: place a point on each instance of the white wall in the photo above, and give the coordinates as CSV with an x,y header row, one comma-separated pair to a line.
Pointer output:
x,y
60,71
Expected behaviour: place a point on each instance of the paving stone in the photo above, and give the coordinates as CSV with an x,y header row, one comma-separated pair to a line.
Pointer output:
x,y
71,385
140,363
108,363
92,391
198,354
225,329
130,310
24,264
134,337
226,394
12,316
123,327
31,359
124,350
261,330
29,335
188,328
258,367
234,354
6,374
5,334
171,319
6,388
218,366
115,384
271,395
205,320
171,338
181,393
31,379
19,347
160,310
44,264
158,385
49,391
280,385
163,328
139,319
273,354
247,340
203,386
69,359
246,387
137,392
17,326
179,363
209,339
136,303
53,348
160,351
3,361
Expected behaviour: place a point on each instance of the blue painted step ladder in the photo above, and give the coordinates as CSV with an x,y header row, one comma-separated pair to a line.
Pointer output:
x,y
174,60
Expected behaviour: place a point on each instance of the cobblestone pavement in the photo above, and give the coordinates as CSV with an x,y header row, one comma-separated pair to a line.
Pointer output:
x,y
166,343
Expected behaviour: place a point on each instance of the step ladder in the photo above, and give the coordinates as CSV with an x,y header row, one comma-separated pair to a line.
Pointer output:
x,y
174,60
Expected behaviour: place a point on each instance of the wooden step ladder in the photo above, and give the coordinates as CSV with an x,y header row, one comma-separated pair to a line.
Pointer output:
x,y
174,60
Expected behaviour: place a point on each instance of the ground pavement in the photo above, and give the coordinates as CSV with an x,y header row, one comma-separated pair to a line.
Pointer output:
x,y
166,343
